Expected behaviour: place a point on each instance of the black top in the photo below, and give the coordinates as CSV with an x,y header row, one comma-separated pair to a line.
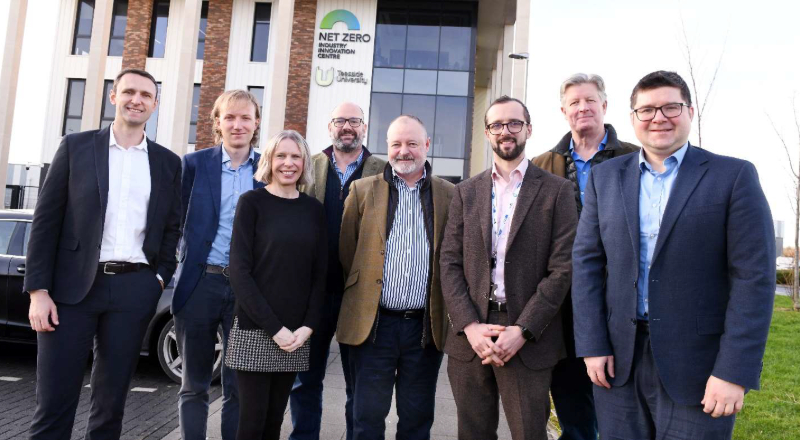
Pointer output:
x,y
278,261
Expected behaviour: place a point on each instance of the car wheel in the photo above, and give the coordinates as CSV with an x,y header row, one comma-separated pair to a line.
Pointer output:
x,y
169,356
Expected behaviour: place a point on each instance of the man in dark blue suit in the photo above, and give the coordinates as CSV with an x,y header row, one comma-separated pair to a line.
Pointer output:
x,y
672,309
213,181
101,250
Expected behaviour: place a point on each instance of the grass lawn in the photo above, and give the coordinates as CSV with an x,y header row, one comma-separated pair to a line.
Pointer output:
x,y
774,411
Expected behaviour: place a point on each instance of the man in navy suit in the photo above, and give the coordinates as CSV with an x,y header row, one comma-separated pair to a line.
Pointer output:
x,y
213,181
672,309
101,250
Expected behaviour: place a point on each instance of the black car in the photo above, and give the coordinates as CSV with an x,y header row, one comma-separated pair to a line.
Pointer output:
x,y
14,303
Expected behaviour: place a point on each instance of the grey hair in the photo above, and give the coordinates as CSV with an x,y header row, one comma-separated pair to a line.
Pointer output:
x,y
264,173
582,78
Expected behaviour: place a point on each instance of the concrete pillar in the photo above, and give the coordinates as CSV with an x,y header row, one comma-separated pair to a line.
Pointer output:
x,y
505,61
301,54
9,73
215,67
521,34
276,90
95,74
137,34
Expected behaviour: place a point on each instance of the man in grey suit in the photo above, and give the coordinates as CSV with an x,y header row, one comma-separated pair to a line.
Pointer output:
x,y
505,270
101,250
674,278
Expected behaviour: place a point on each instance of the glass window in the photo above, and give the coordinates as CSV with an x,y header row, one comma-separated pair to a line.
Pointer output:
x,y
83,27
420,81
423,40
423,107
6,231
26,238
195,111
158,29
151,128
383,109
390,43
258,92
451,127
456,41
108,109
73,110
260,32
119,21
453,83
201,33
387,80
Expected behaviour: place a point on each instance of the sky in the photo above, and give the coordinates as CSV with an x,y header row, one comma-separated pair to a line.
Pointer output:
x,y
621,40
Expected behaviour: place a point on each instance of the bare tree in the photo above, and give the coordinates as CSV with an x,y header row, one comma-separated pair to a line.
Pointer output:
x,y
701,101
794,171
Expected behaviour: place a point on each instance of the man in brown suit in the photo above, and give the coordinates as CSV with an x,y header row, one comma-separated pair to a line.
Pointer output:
x,y
506,265
392,314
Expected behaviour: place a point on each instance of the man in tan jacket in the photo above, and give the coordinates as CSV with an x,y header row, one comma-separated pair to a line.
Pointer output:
x,y
392,314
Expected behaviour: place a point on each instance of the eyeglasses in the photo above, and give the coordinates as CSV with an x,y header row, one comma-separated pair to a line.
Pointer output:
x,y
339,122
496,128
673,110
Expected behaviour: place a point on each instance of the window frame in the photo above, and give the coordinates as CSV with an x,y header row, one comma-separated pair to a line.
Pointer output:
x,y
75,31
255,25
67,116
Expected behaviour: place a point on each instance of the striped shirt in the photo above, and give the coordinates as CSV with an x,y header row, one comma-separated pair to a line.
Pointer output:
x,y
348,170
407,262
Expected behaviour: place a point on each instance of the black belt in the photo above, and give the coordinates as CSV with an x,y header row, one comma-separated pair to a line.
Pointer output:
x,y
405,314
115,268
497,306
213,268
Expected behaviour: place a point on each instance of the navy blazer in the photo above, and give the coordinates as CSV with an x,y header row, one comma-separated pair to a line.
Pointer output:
x,y
201,198
712,277
67,229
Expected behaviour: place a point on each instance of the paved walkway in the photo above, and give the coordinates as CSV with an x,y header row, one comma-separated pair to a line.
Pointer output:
x,y
333,427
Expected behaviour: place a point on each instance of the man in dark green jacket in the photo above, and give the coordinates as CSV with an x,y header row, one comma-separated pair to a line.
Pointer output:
x,y
589,142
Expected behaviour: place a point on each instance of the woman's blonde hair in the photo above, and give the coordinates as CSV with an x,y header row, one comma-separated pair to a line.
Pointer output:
x,y
264,173
227,99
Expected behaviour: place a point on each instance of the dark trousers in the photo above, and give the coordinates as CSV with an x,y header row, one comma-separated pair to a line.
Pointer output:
x,y
262,401
394,361
209,306
476,388
641,409
113,316
571,389
306,398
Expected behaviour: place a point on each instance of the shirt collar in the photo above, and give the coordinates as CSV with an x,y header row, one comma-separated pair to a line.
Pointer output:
x,y
357,162
673,161
226,158
600,147
521,169
398,180
112,141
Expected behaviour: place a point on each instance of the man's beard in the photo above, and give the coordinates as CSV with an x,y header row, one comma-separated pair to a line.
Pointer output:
x,y
518,149
340,145
405,167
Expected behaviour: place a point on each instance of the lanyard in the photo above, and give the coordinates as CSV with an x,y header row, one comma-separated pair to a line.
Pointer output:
x,y
499,227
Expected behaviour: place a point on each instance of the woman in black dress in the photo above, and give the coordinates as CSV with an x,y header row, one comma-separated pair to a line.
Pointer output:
x,y
278,263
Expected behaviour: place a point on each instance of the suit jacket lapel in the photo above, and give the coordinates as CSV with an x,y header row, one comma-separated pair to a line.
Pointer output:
x,y
690,172
380,200
483,201
214,178
101,147
440,205
155,181
629,181
531,183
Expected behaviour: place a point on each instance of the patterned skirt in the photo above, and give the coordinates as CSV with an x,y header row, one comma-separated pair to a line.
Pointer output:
x,y
254,350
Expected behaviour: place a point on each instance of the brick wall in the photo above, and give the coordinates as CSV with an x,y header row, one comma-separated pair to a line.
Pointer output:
x,y
137,34
303,24
215,64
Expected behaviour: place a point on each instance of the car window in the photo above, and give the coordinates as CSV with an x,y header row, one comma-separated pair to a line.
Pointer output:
x,y
25,240
6,231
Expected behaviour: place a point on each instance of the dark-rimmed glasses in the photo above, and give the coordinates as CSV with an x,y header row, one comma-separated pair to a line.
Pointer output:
x,y
672,110
339,122
514,127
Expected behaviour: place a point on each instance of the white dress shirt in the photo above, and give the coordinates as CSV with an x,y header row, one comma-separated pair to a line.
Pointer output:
x,y
128,198
507,192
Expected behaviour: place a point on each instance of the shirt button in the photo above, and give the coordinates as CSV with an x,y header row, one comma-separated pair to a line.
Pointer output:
x,y
654,205
659,178
652,235
584,173
581,192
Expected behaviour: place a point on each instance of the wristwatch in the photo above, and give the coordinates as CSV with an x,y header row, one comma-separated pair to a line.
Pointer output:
x,y
525,332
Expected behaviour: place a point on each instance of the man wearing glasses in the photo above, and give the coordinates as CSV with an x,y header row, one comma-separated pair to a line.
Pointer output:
x,y
335,168
506,267
588,143
674,278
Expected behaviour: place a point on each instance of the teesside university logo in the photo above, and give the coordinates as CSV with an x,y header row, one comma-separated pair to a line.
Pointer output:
x,y
335,45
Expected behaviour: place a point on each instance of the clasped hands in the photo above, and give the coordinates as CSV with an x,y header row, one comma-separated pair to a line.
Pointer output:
x,y
290,341
497,353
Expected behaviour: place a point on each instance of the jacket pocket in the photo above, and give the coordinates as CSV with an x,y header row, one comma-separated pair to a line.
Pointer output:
x,y
351,280
68,243
710,325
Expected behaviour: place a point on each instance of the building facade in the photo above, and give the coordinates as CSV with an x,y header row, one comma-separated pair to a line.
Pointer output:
x,y
443,61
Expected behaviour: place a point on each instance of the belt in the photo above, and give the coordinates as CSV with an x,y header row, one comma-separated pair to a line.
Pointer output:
x,y
497,306
405,314
213,268
115,267
643,326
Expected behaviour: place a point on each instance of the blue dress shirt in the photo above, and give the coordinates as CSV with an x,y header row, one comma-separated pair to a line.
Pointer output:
x,y
584,166
654,189
348,170
234,184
